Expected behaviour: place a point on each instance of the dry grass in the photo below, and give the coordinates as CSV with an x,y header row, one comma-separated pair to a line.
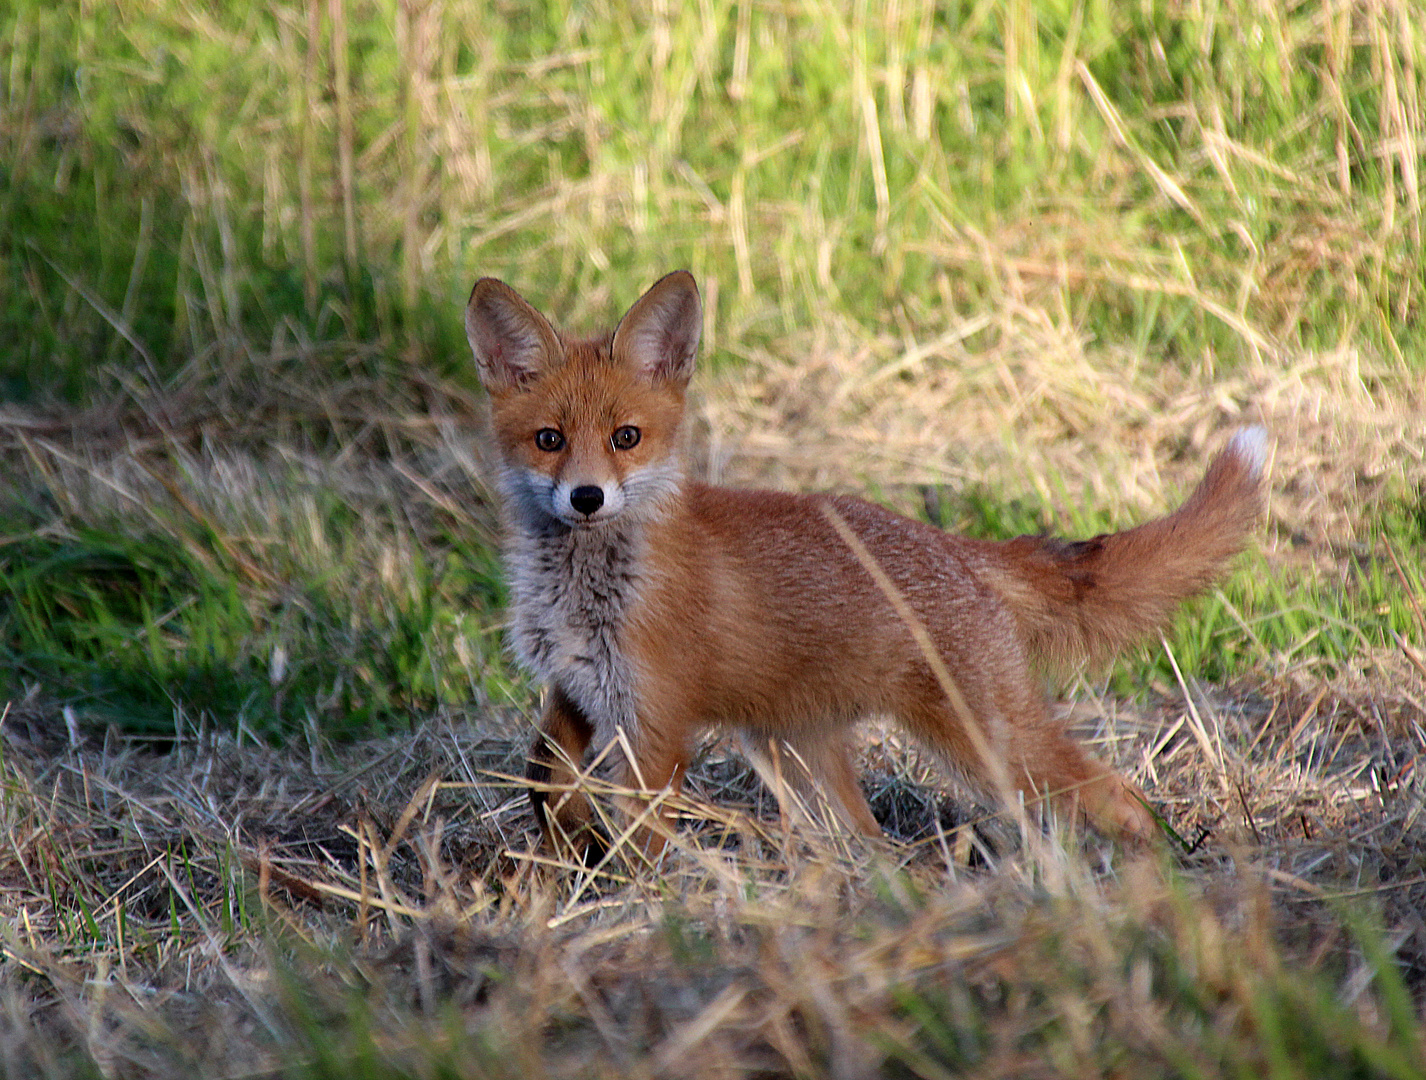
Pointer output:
x,y
216,906
1018,403
266,895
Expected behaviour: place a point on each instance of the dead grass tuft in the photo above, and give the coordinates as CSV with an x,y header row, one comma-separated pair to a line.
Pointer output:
x,y
225,906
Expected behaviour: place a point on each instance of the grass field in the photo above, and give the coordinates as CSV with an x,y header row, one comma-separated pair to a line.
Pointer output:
x,y
1008,266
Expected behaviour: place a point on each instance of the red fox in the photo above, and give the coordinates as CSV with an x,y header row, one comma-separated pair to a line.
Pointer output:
x,y
660,607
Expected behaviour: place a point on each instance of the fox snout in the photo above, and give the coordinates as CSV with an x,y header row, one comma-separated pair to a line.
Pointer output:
x,y
577,503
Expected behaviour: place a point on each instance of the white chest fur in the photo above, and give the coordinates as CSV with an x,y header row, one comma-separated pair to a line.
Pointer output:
x,y
572,590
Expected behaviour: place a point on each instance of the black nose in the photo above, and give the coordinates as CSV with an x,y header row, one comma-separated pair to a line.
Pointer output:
x,y
586,500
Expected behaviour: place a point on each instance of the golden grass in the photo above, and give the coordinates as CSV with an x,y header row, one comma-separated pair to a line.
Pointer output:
x,y
213,876
1019,402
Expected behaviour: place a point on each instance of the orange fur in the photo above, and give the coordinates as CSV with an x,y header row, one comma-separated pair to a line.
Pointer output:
x,y
661,607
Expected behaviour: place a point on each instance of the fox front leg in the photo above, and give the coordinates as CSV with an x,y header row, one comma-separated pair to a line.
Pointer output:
x,y
565,814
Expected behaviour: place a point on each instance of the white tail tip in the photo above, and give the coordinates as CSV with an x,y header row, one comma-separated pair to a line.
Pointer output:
x,y
1250,446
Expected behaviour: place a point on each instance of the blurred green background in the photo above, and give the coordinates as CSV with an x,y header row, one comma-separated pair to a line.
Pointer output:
x,y
182,183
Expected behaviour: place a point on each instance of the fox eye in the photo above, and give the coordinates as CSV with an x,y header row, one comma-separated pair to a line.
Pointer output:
x,y
626,437
549,440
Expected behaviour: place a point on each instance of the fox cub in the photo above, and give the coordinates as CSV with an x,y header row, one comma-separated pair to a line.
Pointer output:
x,y
658,607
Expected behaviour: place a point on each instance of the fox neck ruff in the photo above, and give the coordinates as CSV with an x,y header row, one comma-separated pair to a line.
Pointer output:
x,y
572,590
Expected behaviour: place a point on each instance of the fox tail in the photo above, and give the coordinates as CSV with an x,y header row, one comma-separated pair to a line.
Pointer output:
x,y
1081,601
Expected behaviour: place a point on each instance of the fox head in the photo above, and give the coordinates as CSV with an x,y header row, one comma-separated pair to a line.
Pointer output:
x,y
587,430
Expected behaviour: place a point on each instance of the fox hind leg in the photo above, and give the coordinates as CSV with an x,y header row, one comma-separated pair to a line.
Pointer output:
x,y
1050,762
1018,744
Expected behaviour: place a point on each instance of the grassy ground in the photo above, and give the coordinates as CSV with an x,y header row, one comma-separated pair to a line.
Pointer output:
x,y
1010,267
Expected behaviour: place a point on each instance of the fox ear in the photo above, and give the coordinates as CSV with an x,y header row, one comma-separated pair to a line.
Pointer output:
x,y
513,343
658,337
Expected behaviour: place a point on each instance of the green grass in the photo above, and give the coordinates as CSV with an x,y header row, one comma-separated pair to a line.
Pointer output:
x,y
1075,1008
1201,182
150,624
